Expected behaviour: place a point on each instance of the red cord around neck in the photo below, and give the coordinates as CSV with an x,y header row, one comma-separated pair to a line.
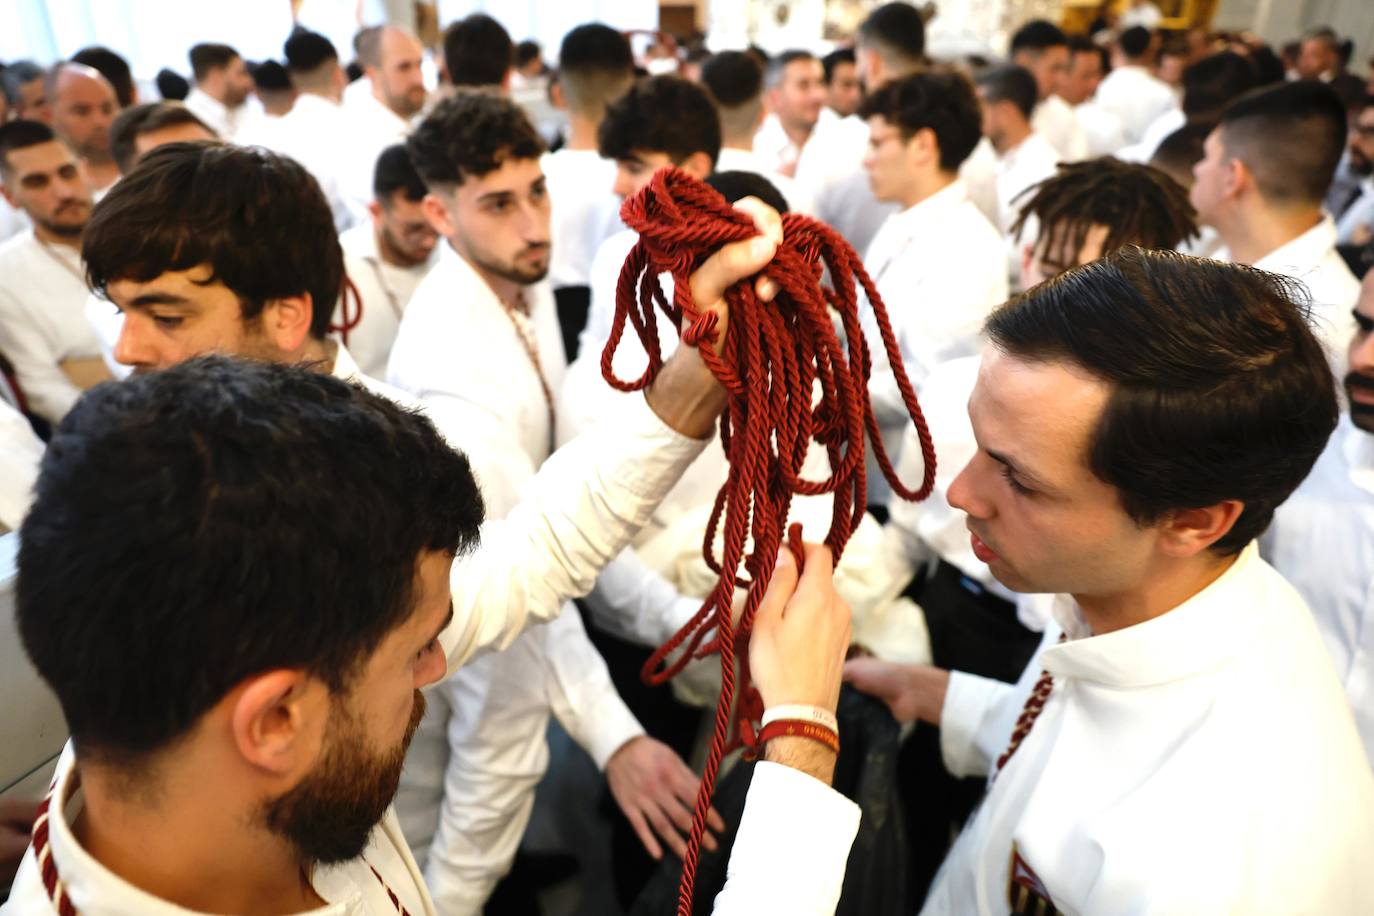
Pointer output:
x,y
773,357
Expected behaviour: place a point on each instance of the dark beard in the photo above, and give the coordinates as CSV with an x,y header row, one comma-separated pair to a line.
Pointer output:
x,y
1362,415
328,817
62,230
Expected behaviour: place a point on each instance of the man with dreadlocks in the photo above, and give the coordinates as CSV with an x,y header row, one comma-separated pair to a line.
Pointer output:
x,y
1085,211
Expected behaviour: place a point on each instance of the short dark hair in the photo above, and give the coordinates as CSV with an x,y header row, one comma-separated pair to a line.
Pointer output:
x,y
271,76
20,134
1138,204
1290,137
171,85
527,51
16,75
734,78
395,172
1220,390
897,32
209,56
137,120
735,186
1181,150
1038,35
942,101
470,134
1082,44
1135,41
1009,83
832,61
661,114
111,66
251,560
595,66
477,51
306,51
1213,82
257,218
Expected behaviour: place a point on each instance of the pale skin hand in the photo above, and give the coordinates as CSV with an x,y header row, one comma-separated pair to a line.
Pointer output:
x,y
685,395
912,692
658,793
796,653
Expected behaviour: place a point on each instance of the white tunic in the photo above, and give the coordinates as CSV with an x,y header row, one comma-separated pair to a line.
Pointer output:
x,y
586,211
1322,540
1204,761
21,452
732,159
42,320
385,290
374,127
1057,121
1028,163
1135,96
223,120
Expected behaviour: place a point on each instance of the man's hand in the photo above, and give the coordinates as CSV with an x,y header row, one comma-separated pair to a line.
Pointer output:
x,y
912,692
16,821
685,395
658,793
796,653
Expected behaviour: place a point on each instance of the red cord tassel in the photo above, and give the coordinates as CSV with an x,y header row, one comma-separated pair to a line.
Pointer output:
x,y
773,356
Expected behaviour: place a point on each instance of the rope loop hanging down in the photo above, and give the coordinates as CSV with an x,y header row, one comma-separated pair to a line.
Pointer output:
x,y
774,357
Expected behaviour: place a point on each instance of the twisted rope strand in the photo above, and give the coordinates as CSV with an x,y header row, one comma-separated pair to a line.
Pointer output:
x,y
772,359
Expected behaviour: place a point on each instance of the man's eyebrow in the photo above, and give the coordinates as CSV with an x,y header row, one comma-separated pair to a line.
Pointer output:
x,y
493,196
158,298
1365,322
1020,471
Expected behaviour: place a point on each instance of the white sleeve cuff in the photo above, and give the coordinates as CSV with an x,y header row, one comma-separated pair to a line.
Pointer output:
x,y
969,702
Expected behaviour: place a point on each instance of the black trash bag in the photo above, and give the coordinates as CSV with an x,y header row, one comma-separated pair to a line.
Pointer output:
x,y
875,881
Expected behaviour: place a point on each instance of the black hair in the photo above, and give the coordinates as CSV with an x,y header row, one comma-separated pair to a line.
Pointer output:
x,y
1140,205
306,51
595,67
219,534
1082,44
734,78
1181,150
1135,41
527,51
1219,389
16,75
477,51
662,114
1290,137
22,133
833,60
111,66
735,186
897,32
210,56
271,76
469,135
395,172
137,120
940,100
258,219
1009,83
172,86
1212,83
1038,35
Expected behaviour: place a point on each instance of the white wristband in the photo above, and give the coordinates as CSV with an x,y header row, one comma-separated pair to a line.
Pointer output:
x,y
823,717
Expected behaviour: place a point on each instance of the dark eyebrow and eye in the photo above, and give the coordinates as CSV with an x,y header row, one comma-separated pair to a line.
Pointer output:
x,y
1365,322
1016,469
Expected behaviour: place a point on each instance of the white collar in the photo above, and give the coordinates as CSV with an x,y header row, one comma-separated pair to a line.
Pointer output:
x,y
1357,448
1300,255
933,207
1199,635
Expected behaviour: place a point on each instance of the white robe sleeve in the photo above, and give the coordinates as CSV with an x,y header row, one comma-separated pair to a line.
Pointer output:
x,y
36,364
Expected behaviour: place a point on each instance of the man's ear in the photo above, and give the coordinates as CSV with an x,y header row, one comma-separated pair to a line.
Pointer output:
x,y
698,165
286,321
9,198
374,209
277,721
1239,178
437,212
556,96
1188,532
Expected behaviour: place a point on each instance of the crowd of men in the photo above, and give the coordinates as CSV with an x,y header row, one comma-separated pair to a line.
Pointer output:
x,y
303,410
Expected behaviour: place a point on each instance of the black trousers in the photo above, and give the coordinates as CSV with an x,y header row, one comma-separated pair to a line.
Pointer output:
x,y
977,632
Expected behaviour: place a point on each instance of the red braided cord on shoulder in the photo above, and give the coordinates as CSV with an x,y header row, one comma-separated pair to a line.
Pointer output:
x,y
352,316
773,357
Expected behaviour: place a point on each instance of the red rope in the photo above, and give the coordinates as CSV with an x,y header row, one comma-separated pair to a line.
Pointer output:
x,y
774,354
351,317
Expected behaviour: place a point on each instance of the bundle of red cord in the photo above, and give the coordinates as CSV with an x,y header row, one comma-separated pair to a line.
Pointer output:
x,y
773,356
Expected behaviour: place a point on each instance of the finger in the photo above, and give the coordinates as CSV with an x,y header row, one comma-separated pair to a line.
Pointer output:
x,y
679,812
645,835
766,220
867,675
670,836
715,821
708,841
766,289
780,589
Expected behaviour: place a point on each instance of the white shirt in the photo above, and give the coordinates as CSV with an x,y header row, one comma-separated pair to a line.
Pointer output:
x,y
1322,540
373,127
1057,121
21,452
43,321
940,267
1359,213
1135,96
223,120
318,134
733,159
12,221
457,342
1028,163
1204,761
1332,289
1156,133
586,211
1101,129
385,290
